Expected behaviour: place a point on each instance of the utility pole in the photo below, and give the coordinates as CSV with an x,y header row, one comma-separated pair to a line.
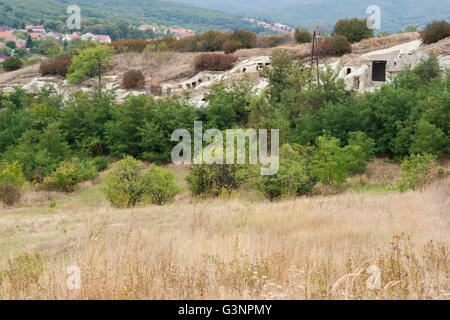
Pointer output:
x,y
99,73
315,55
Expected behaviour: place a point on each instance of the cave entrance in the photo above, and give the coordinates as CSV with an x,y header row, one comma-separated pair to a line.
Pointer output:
x,y
379,71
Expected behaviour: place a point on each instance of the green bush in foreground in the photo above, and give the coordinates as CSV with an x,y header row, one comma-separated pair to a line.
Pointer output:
x,y
162,186
416,171
294,178
127,184
11,181
216,179
69,173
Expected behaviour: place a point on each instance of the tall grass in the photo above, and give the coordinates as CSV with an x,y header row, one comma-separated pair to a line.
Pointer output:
x,y
308,248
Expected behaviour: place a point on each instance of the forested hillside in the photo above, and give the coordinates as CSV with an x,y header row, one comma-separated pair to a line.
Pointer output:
x,y
18,13
395,15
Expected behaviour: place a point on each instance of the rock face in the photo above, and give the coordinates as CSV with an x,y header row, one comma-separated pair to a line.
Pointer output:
x,y
36,86
374,68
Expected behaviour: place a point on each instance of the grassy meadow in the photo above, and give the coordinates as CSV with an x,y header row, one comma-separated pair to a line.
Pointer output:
x,y
241,247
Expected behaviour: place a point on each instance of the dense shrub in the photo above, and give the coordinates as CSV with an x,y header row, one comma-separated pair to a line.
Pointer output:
x,y
247,38
231,46
11,181
416,171
133,79
435,31
69,173
216,179
354,29
100,163
214,62
428,69
86,64
10,194
156,46
325,47
162,188
59,66
134,45
211,41
12,64
302,36
295,176
127,184
341,45
334,46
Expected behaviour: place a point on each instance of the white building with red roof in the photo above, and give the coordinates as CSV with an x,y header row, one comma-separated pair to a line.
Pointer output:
x,y
147,27
39,28
9,36
105,39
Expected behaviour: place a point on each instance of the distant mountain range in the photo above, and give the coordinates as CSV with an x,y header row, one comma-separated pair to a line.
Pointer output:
x,y
396,15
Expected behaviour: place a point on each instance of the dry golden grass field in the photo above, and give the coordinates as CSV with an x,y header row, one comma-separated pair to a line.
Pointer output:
x,y
317,247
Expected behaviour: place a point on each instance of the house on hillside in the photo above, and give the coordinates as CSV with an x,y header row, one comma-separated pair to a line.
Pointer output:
x,y
104,39
147,27
20,43
39,28
53,35
89,37
70,37
35,35
374,68
8,36
3,58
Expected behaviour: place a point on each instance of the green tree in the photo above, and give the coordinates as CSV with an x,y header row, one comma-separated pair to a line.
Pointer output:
x,y
89,62
83,121
11,44
39,152
228,107
429,139
330,161
55,51
302,36
435,31
354,29
142,126
247,38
